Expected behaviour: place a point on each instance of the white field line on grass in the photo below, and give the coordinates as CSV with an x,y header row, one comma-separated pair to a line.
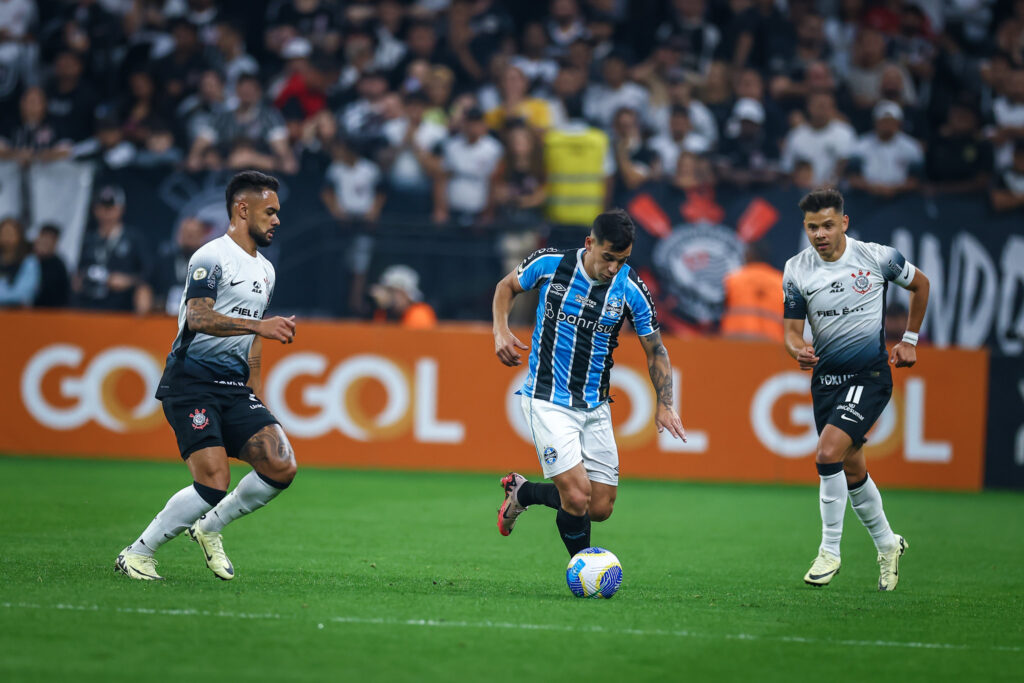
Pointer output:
x,y
442,623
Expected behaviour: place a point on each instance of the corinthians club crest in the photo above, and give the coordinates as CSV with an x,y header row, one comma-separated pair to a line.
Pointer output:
x,y
861,283
199,419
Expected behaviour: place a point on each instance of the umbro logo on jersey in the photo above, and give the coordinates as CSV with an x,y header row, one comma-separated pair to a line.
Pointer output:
x,y
558,287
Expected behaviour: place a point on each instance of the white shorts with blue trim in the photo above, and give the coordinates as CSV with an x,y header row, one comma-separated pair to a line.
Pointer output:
x,y
565,437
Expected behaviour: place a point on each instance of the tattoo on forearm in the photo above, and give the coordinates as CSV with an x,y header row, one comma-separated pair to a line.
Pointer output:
x,y
202,318
661,374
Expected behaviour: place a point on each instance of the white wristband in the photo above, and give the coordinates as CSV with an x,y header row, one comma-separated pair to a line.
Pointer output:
x,y
910,338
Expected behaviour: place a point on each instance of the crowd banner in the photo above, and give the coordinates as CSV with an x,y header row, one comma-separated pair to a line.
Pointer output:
x,y
1004,463
361,395
60,193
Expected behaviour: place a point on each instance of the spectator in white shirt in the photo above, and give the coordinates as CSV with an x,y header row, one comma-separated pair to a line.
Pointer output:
x,y
681,137
825,141
469,162
412,157
1008,112
602,100
886,162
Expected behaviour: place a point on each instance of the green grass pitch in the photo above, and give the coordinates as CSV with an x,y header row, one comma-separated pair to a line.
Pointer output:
x,y
388,576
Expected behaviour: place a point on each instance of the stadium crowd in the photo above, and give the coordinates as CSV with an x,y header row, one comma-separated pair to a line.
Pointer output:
x,y
472,112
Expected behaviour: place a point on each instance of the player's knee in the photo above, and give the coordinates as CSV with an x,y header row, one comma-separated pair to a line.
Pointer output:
x,y
601,511
827,453
575,502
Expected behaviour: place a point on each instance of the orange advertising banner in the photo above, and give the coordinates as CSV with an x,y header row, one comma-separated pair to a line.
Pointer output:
x,y
375,396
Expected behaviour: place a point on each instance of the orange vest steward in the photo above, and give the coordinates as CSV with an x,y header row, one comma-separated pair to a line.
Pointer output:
x,y
753,303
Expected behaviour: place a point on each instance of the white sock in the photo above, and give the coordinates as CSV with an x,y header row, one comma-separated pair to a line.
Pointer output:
x,y
867,503
251,494
183,508
832,502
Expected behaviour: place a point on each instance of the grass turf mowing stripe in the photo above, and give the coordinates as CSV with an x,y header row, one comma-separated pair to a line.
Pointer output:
x,y
578,628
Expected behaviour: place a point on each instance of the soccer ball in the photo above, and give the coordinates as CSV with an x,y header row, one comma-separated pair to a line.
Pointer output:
x,y
594,573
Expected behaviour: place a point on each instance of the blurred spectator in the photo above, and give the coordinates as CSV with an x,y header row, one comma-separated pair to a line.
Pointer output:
x,y
198,110
251,121
388,29
113,265
70,102
361,119
753,298
108,145
422,44
680,138
680,94
749,85
716,92
750,157
697,38
439,86
1008,192
763,35
300,81
469,162
565,25
170,271
635,162
398,299
959,158
412,158
315,20
517,104
578,165
518,191
693,175
17,17
354,196
19,267
1008,113
868,63
234,60
534,60
886,162
178,73
824,141
35,138
54,284
913,46
142,104
602,100
600,34
790,68
18,59
159,149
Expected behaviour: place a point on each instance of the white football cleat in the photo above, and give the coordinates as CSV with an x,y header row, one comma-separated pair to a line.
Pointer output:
x,y
826,565
213,551
137,566
510,509
889,565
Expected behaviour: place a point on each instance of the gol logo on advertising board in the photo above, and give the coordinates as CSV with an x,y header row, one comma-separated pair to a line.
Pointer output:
x,y
93,389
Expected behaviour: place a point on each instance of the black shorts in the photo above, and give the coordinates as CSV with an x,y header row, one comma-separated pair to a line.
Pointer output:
x,y
851,402
205,419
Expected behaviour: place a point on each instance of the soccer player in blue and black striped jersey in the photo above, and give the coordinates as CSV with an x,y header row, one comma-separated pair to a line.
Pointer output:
x,y
585,297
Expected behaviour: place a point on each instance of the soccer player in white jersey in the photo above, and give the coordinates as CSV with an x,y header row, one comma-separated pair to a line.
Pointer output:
x,y
839,285
585,297
211,385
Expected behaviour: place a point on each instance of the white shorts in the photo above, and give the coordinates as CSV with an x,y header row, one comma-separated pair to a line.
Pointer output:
x,y
565,437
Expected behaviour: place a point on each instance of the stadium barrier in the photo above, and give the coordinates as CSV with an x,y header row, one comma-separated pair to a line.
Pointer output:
x,y
359,395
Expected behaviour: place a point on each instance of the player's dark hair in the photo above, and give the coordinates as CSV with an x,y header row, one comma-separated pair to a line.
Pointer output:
x,y
616,228
821,199
246,181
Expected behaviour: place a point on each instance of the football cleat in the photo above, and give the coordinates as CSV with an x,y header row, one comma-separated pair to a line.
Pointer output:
x,y
889,565
826,565
137,566
213,551
510,509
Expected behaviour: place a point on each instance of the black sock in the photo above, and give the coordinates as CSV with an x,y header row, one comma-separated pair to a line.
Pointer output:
x,y
575,531
532,493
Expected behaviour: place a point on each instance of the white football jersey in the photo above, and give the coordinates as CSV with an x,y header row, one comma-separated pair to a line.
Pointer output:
x,y
241,287
844,301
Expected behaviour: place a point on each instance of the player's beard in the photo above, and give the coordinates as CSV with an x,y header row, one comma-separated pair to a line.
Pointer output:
x,y
261,239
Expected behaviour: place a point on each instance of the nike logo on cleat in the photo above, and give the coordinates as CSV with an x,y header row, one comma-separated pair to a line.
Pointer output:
x,y
816,577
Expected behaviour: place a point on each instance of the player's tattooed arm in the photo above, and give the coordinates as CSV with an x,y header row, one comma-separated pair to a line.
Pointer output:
x,y
660,368
201,317
256,366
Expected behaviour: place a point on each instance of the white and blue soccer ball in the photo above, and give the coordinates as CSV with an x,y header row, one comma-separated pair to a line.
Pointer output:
x,y
594,573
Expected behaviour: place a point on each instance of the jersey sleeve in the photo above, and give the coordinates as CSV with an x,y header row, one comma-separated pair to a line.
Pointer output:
x,y
537,267
204,273
893,265
795,306
640,305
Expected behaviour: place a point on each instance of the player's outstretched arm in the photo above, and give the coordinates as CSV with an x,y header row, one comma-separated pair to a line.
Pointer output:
x,y
904,354
506,345
201,317
795,344
660,369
